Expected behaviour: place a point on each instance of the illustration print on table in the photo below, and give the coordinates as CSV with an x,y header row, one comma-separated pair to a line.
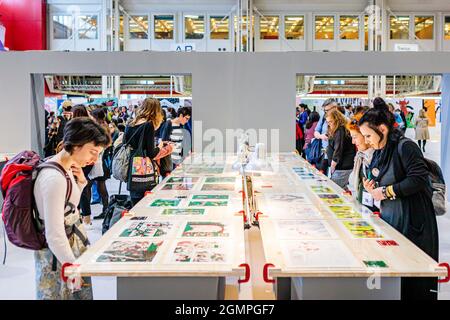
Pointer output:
x,y
302,229
322,189
130,251
165,203
218,187
208,203
178,186
185,180
199,251
306,212
287,198
205,170
361,229
183,212
138,218
220,180
317,254
205,229
147,229
210,197
375,264
331,199
345,212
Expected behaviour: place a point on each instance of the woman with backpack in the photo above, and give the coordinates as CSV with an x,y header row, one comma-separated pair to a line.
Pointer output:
x,y
57,194
399,180
310,128
140,135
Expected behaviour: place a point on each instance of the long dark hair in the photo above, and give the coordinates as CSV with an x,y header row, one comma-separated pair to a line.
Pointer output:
x,y
314,116
377,116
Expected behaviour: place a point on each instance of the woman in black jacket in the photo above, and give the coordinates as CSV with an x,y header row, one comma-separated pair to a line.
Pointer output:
x,y
142,129
399,178
340,151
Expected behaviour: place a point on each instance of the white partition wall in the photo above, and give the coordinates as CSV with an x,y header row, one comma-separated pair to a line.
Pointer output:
x,y
229,91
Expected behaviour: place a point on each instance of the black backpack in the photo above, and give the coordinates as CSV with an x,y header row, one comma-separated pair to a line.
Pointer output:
x,y
439,197
117,204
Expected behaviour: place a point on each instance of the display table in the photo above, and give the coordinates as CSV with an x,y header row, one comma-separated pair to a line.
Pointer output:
x,y
184,238
326,245
180,242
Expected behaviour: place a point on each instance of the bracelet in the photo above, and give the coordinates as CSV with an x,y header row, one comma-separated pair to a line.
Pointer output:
x,y
383,190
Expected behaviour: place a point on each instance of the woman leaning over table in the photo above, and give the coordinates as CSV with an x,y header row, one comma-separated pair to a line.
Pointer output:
x,y
399,179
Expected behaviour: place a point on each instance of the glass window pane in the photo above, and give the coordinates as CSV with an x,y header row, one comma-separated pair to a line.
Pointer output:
x,y
400,28
324,27
366,32
138,27
87,27
447,28
194,27
219,26
164,27
424,27
349,27
268,27
294,27
62,27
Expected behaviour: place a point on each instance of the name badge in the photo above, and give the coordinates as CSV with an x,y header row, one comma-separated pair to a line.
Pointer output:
x,y
367,199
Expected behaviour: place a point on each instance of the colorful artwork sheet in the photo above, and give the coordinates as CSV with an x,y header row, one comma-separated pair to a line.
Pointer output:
x,y
331,199
199,251
184,180
147,229
322,189
317,254
205,229
131,251
178,186
345,212
210,197
218,187
165,203
361,229
287,198
183,212
208,203
220,180
303,229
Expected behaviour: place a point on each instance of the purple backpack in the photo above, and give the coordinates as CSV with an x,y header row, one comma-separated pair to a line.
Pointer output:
x,y
22,224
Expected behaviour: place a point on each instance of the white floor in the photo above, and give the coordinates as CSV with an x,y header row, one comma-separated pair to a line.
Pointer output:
x,y
17,275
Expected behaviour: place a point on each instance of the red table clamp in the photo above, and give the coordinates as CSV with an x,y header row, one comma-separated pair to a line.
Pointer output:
x,y
148,193
257,215
243,215
348,192
124,212
63,269
447,278
247,273
266,273
377,213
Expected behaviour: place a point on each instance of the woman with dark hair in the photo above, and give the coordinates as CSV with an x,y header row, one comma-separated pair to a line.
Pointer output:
x,y
310,127
80,111
399,179
99,116
83,142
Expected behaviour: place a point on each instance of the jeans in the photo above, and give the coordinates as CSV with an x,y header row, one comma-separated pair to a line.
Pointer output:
x,y
136,197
